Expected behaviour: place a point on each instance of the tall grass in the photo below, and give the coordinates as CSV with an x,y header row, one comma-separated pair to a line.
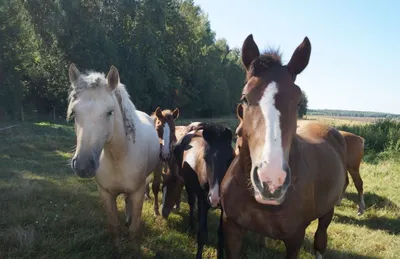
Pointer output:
x,y
382,138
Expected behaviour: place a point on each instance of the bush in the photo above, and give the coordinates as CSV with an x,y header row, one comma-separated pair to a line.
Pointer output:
x,y
382,136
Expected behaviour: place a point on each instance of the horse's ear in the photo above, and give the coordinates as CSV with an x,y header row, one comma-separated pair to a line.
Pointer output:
x,y
113,78
158,112
175,113
249,51
73,73
239,111
299,60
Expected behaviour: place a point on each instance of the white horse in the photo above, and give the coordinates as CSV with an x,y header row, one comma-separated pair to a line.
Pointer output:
x,y
116,143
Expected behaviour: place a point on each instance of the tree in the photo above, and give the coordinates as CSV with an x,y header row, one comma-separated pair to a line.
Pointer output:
x,y
303,105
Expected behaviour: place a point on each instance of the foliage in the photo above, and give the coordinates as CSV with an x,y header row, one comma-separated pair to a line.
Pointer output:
x,y
327,112
384,135
165,51
303,106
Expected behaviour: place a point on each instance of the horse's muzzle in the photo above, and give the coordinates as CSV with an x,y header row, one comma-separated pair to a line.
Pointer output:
x,y
271,184
84,167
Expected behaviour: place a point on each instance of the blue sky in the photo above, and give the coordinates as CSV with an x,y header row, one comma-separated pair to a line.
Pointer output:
x,y
355,57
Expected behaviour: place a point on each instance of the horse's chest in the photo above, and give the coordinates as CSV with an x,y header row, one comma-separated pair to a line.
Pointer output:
x,y
240,207
120,181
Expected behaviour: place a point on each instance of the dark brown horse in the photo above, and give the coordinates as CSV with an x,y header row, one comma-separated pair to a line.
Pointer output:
x,y
201,158
281,180
355,153
164,122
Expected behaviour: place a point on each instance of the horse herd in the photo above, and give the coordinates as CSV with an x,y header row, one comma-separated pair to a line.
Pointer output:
x,y
281,176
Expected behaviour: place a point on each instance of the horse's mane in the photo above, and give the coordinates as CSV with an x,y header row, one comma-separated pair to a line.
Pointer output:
x,y
95,80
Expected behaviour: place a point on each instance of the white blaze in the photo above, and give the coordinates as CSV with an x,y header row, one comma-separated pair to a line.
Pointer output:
x,y
166,138
271,153
214,195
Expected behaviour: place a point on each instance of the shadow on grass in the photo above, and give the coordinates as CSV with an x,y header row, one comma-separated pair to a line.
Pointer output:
x,y
39,218
373,200
391,226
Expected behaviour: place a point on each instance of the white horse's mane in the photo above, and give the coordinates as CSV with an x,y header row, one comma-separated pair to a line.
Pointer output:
x,y
95,80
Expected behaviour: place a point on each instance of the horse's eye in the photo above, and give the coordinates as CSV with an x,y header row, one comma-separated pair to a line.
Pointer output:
x,y
110,113
245,101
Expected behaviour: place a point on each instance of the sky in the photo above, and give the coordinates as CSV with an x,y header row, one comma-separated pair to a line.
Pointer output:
x,y
355,56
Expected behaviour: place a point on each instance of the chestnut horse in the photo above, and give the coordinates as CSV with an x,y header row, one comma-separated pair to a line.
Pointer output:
x,y
355,153
281,180
201,158
164,122
116,143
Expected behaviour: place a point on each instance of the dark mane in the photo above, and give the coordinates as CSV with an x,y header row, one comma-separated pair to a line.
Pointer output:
x,y
270,58
217,130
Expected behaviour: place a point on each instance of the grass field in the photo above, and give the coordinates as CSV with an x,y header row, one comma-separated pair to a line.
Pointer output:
x,y
48,212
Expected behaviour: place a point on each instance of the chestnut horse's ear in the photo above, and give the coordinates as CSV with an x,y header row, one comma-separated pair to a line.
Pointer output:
x,y
300,57
239,111
113,78
158,113
175,113
73,73
249,51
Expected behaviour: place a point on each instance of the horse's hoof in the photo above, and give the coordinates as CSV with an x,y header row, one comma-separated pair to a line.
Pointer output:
x,y
156,213
359,213
147,198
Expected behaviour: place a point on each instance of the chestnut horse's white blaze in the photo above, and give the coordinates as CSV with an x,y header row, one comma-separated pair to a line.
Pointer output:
x,y
165,141
269,158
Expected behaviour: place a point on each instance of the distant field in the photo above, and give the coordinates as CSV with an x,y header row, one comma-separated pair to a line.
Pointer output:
x,y
48,212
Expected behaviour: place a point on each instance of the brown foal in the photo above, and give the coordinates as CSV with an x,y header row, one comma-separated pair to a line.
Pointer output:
x,y
283,178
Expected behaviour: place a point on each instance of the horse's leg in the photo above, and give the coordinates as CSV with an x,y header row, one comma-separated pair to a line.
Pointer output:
x,y
321,236
261,240
344,190
178,200
147,191
202,233
358,182
136,199
191,201
110,204
233,238
293,244
220,248
128,211
156,186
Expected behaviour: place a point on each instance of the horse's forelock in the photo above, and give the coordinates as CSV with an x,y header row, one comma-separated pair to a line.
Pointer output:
x,y
95,80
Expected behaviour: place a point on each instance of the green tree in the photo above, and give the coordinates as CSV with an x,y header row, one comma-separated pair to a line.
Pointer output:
x,y
303,106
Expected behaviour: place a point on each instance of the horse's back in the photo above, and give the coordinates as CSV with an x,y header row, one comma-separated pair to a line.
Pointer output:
x,y
355,148
323,149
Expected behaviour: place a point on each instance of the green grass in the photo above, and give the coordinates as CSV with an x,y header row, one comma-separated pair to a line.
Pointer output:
x,y
48,212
